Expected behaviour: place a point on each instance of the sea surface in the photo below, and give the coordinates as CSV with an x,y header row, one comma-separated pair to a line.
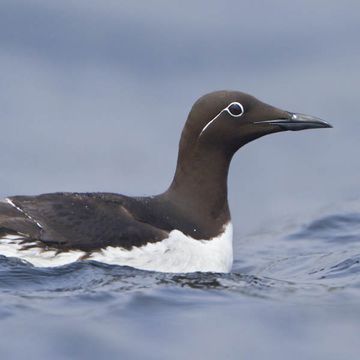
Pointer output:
x,y
294,292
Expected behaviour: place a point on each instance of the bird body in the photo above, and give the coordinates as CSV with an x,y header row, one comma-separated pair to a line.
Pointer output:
x,y
185,229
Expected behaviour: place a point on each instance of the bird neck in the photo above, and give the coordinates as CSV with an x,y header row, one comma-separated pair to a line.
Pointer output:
x,y
199,186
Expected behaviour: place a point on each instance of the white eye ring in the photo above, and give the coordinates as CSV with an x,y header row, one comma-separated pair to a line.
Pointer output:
x,y
232,114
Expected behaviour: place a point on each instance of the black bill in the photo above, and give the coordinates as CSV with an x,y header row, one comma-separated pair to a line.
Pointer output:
x,y
297,122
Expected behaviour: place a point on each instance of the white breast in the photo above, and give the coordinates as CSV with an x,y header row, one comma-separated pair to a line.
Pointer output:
x,y
177,254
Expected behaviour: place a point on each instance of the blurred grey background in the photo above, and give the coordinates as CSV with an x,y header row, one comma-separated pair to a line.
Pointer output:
x,y
94,94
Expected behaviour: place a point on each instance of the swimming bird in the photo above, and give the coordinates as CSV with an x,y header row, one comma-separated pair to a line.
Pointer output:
x,y
185,229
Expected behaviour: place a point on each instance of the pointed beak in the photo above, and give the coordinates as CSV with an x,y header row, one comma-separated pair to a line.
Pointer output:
x,y
295,121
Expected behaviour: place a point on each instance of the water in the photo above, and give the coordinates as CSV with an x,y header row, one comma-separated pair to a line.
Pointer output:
x,y
293,292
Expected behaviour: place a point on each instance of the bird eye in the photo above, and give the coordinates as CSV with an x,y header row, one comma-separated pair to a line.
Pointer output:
x,y
235,109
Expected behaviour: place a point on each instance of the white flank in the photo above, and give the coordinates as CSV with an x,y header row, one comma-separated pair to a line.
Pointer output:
x,y
11,246
176,254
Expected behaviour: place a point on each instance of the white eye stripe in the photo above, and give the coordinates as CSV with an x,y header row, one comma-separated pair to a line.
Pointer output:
x,y
228,111
207,125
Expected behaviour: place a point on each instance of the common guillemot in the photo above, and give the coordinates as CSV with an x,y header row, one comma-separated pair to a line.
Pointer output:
x,y
185,229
